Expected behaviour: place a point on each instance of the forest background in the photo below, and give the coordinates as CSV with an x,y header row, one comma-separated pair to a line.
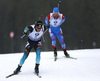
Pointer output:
x,y
81,29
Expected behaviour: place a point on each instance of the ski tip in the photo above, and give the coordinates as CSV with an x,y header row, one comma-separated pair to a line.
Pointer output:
x,y
6,76
9,75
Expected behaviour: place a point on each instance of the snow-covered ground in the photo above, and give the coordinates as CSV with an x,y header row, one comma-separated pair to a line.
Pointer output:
x,y
85,68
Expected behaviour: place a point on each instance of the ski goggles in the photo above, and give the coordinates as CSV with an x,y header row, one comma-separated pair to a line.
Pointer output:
x,y
39,27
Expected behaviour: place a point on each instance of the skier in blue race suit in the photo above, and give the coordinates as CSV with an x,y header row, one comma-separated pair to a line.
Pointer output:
x,y
54,21
34,41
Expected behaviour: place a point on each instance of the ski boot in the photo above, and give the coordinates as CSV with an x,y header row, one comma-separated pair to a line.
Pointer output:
x,y
17,69
37,68
66,54
55,54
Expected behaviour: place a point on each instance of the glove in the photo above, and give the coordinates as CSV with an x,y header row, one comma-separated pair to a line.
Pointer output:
x,y
48,26
25,30
24,33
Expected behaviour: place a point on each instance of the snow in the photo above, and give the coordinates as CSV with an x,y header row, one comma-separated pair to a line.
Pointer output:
x,y
85,68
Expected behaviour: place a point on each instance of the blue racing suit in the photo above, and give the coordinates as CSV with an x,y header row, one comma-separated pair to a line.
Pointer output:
x,y
55,29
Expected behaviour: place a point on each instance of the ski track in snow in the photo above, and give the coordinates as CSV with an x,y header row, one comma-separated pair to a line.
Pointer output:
x,y
85,68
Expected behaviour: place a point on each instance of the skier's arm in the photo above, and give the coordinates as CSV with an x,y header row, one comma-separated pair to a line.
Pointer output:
x,y
45,27
47,20
28,28
63,19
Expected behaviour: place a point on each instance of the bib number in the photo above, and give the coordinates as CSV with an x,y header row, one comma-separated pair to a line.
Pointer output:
x,y
55,22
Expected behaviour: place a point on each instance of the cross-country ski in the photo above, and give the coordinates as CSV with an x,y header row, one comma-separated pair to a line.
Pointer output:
x,y
10,75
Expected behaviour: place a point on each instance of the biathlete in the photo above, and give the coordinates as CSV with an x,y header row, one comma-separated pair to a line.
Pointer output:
x,y
54,21
34,41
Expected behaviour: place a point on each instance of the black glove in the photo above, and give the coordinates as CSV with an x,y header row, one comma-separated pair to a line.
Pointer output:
x,y
24,33
48,26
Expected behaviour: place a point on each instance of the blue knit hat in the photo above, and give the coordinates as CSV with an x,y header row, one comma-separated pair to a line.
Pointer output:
x,y
55,10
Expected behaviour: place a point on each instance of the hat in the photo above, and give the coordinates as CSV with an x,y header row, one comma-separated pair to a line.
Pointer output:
x,y
39,23
55,10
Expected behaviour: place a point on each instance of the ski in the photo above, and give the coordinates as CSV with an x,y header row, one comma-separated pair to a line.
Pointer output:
x,y
10,75
55,58
72,58
37,74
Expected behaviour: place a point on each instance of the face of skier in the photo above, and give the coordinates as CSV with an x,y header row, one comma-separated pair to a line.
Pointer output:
x,y
55,12
38,28
56,15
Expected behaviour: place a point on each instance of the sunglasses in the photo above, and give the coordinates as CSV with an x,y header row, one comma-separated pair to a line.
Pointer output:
x,y
39,25
38,28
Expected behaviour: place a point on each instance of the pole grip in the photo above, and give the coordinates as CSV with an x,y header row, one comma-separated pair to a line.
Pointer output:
x,y
59,2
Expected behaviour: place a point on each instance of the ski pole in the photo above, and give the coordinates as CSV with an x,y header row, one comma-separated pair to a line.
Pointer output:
x,y
59,2
43,34
39,18
22,36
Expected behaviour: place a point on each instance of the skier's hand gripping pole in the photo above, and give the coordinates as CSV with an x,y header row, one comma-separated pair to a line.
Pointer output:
x,y
25,32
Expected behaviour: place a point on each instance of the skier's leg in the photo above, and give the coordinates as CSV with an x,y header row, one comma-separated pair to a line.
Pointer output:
x,y
28,48
21,62
38,57
24,57
53,38
61,41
